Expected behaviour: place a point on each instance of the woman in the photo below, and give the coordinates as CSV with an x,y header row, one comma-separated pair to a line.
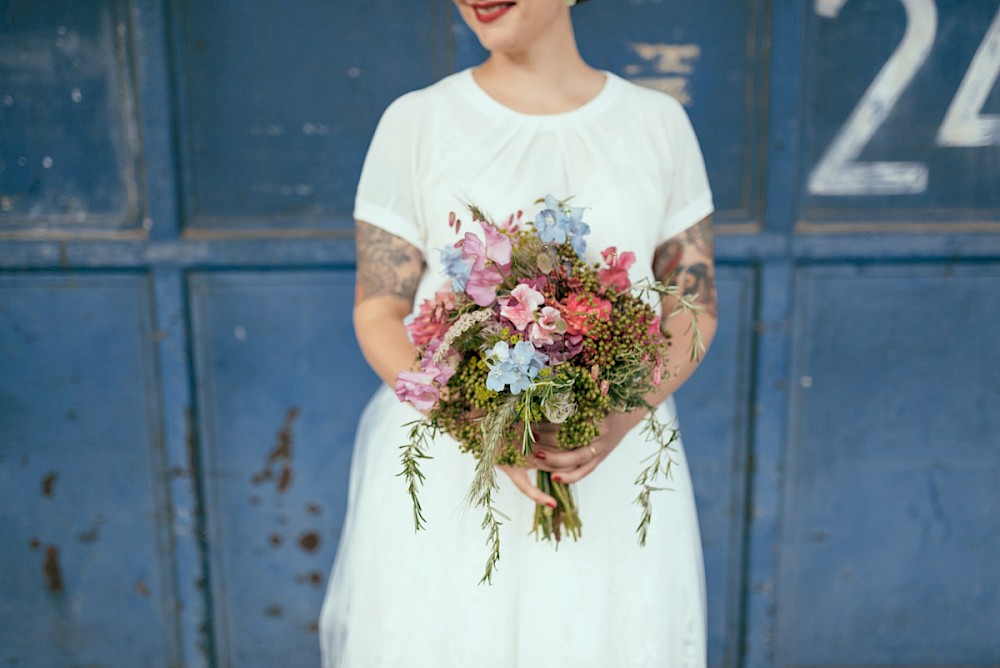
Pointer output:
x,y
534,118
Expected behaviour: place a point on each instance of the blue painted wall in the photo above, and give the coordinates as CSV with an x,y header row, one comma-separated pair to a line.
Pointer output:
x,y
179,383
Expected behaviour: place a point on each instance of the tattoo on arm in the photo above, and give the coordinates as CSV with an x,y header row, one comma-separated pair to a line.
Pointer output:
x,y
684,261
387,265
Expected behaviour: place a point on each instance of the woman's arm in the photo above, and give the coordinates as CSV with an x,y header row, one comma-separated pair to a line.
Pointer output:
x,y
685,261
389,271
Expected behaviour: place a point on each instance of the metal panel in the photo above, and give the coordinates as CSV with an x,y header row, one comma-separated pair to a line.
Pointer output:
x,y
902,113
891,521
715,422
86,577
279,106
281,386
68,142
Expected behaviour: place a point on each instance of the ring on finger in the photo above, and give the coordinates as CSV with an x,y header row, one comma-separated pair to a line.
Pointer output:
x,y
593,450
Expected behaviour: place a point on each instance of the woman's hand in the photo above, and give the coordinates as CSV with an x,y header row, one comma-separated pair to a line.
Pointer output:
x,y
569,466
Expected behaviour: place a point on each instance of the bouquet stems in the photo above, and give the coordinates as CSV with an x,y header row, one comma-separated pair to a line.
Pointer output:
x,y
552,522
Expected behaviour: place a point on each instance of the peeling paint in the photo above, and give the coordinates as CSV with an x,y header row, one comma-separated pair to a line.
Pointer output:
x,y
278,466
51,570
49,484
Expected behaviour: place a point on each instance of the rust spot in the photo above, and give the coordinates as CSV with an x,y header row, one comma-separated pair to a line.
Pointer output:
x,y
312,627
313,508
49,484
309,541
53,574
275,540
142,589
278,466
34,543
274,611
313,578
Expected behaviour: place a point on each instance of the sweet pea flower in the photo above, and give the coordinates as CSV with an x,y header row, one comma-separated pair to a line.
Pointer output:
x,y
550,322
616,275
482,285
497,248
520,307
416,388
484,278
442,370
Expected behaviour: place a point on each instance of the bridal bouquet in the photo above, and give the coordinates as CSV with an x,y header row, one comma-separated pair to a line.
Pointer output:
x,y
527,332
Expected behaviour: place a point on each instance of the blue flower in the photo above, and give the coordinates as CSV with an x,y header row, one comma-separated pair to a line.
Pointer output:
x,y
456,267
577,230
516,367
555,225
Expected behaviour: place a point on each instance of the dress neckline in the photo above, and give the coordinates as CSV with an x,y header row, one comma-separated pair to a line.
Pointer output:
x,y
604,97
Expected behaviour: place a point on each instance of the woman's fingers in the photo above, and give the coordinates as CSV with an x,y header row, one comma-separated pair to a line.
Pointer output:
x,y
563,460
574,475
519,477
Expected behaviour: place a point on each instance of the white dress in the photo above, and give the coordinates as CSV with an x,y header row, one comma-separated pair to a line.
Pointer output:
x,y
397,598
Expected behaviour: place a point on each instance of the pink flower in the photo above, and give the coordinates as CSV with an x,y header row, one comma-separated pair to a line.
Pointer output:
x,y
482,285
497,248
616,275
520,307
580,312
541,333
442,370
654,328
657,372
432,320
415,388
484,278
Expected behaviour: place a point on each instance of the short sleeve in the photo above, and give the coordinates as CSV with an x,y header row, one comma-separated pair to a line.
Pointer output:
x,y
386,189
689,196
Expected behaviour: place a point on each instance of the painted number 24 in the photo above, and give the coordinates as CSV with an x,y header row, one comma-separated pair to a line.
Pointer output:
x,y
839,173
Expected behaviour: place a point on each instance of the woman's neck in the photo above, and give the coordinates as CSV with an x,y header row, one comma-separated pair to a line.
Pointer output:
x,y
550,78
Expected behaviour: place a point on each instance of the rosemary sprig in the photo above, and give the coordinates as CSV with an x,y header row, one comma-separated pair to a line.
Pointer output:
x,y
422,433
657,464
685,304
484,484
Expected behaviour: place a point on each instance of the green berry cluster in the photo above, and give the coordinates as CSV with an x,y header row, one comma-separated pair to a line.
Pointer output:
x,y
591,408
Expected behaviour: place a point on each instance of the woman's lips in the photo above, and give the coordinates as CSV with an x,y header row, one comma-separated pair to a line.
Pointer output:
x,y
488,12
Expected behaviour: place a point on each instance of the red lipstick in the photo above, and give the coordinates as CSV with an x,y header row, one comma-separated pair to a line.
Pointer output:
x,y
491,10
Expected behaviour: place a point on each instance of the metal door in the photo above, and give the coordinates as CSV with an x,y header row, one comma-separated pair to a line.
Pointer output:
x,y
179,383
